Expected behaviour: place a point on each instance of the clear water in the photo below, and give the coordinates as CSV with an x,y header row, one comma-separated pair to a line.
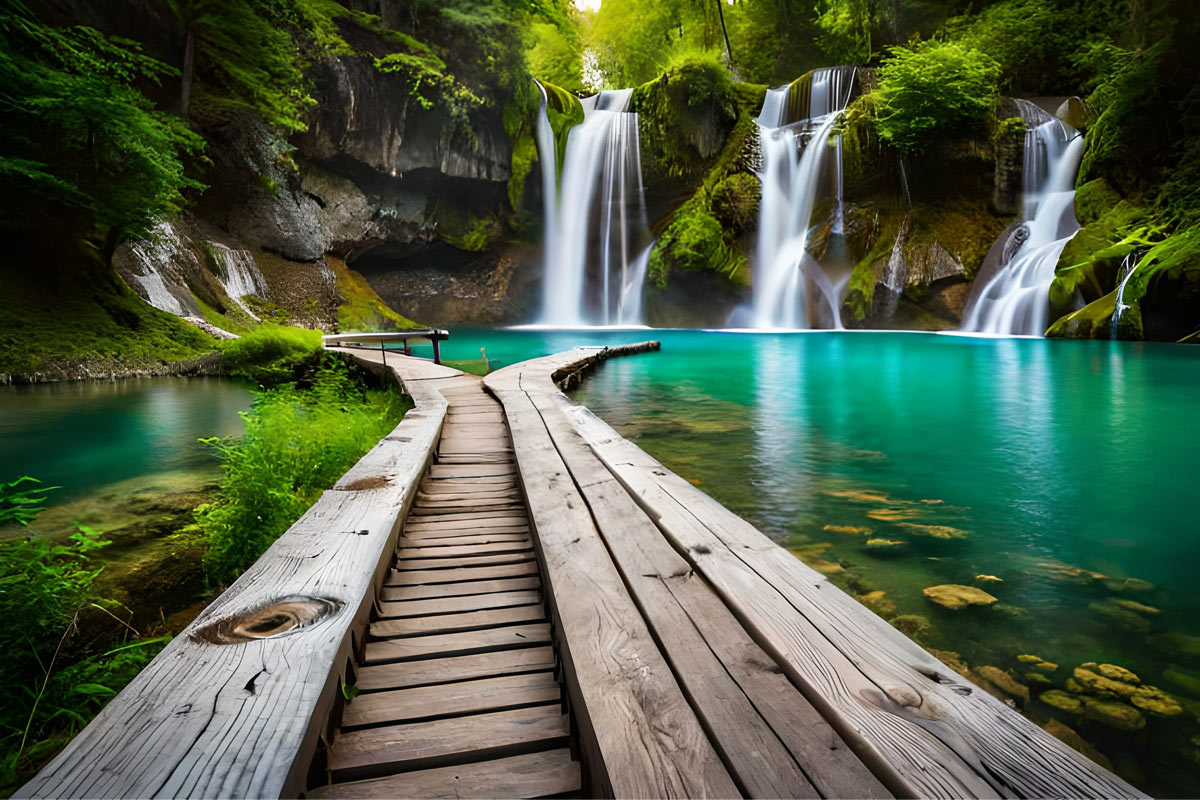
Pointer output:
x,y
1042,456
85,435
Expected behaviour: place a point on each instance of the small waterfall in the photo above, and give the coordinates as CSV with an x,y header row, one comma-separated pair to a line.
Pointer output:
x,y
791,184
597,234
155,256
1015,301
1128,266
239,274
548,158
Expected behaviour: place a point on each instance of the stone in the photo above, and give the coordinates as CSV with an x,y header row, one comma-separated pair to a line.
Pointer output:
x,y
1117,673
1038,662
1180,643
936,531
1128,585
1036,677
879,602
1095,683
910,624
1004,682
955,596
1063,701
1069,574
861,496
1140,608
1010,611
1156,701
1075,686
1116,615
1113,714
1070,738
1182,679
884,543
952,660
988,579
894,514
847,530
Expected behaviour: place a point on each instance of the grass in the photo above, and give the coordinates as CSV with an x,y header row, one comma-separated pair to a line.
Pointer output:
x,y
362,310
272,354
474,366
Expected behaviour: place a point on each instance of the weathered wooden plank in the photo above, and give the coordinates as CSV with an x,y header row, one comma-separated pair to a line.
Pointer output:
x,y
431,744
474,548
473,459
418,577
500,473
418,538
448,644
442,528
546,774
469,515
440,489
452,699
459,507
455,605
633,717
921,729
470,539
455,668
727,678
458,562
452,623
463,589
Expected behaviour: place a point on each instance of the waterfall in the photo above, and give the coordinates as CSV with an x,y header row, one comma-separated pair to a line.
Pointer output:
x,y
154,256
596,234
238,274
1016,300
1129,266
791,177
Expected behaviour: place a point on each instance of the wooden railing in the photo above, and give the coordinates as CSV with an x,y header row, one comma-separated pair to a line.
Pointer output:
x,y
236,704
380,340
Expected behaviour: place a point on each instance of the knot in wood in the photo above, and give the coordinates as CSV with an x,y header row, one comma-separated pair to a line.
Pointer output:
x,y
281,617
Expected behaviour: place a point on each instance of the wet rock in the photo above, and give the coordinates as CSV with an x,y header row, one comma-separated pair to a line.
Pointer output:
x,y
847,530
879,602
895,514
988,579
1128,585
936,531
882,544
1075,686
1113,672
1038,662
952,660
1093,682
1156,701
1178,643
1068,573
1182,679
1069,737
1010,611
910,624
955,596
1115,615
860,496
1063,701
1004,682
1036,677
1114,714
1140,608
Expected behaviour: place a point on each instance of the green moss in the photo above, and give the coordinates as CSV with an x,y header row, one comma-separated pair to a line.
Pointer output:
x,y
1088,265
234,320
564,111
861,290
361,308
74,314
1093,200
735,201
473,234
268,185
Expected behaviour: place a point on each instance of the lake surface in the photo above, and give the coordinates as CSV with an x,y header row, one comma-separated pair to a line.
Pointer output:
x,y
86,435
1064,468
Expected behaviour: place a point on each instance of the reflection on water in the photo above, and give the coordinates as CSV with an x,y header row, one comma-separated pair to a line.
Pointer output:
x,y
88,434
895,462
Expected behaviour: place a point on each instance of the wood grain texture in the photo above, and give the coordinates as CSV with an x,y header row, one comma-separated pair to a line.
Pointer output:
x,y
423,745
205,720
462,589
463,621
449,644
457,699
637,728
454,668
912,720
456,605
546,774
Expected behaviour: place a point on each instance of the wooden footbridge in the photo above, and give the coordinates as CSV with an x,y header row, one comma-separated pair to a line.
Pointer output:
x,y
506,599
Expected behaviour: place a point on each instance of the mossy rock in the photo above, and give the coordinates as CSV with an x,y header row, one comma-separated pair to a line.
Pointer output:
x,y
1093,682
1155,701
1087,268
952,660
1094,321
956,596
879,602
1114,714
1063,701
1003,681
1094,199
1182,679
1128,585
1036,677
735,201
912,625
1140,608
1115,615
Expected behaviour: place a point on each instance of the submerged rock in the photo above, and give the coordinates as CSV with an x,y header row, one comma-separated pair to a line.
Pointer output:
x,y
956,596
1113,713
894,514
910,624
988,579
1063,701
1036,677
879,602
884,543
1038,662
1156,701
1140,608
1128,585
848,530
861,495
1116,615
1069,574
936,531
1182,679
952,660
1004,682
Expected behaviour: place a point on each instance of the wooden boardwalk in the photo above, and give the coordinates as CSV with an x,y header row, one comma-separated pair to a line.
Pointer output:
x,y
459,695
507,599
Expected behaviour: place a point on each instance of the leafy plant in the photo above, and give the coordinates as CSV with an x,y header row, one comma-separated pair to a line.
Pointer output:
x,y
272,354
22,505
297,443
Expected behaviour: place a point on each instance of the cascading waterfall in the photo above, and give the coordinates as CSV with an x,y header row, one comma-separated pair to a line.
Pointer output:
x,y
791,183
154,255
597,237
1016,300
239,274
1129,266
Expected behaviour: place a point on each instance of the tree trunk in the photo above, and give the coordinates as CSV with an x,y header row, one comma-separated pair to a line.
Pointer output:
x,y
728,48
189,62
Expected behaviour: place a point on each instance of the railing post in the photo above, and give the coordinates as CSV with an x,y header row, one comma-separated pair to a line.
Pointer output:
x,y
437,354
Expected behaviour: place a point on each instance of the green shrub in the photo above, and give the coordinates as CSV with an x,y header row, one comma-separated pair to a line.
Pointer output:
x,y
735,201
272,354
298,443
932,88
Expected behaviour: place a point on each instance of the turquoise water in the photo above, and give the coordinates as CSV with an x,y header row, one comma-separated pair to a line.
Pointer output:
x,y
85,435
1063,468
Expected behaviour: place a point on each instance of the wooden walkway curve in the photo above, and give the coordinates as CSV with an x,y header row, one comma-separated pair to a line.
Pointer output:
x,y
505,598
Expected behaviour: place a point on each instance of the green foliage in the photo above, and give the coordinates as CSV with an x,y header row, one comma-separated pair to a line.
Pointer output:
x,y
76,133
22,505
933,88
633,41
297,443
846,27
554,55
272,354
735,201
564,111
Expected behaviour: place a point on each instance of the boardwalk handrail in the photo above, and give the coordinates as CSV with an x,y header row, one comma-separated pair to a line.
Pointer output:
x,y
435,335
920,727
237,703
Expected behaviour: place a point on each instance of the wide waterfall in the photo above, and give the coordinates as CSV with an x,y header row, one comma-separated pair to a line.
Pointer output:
x,y
597,240
239,275
795,127
1016,300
